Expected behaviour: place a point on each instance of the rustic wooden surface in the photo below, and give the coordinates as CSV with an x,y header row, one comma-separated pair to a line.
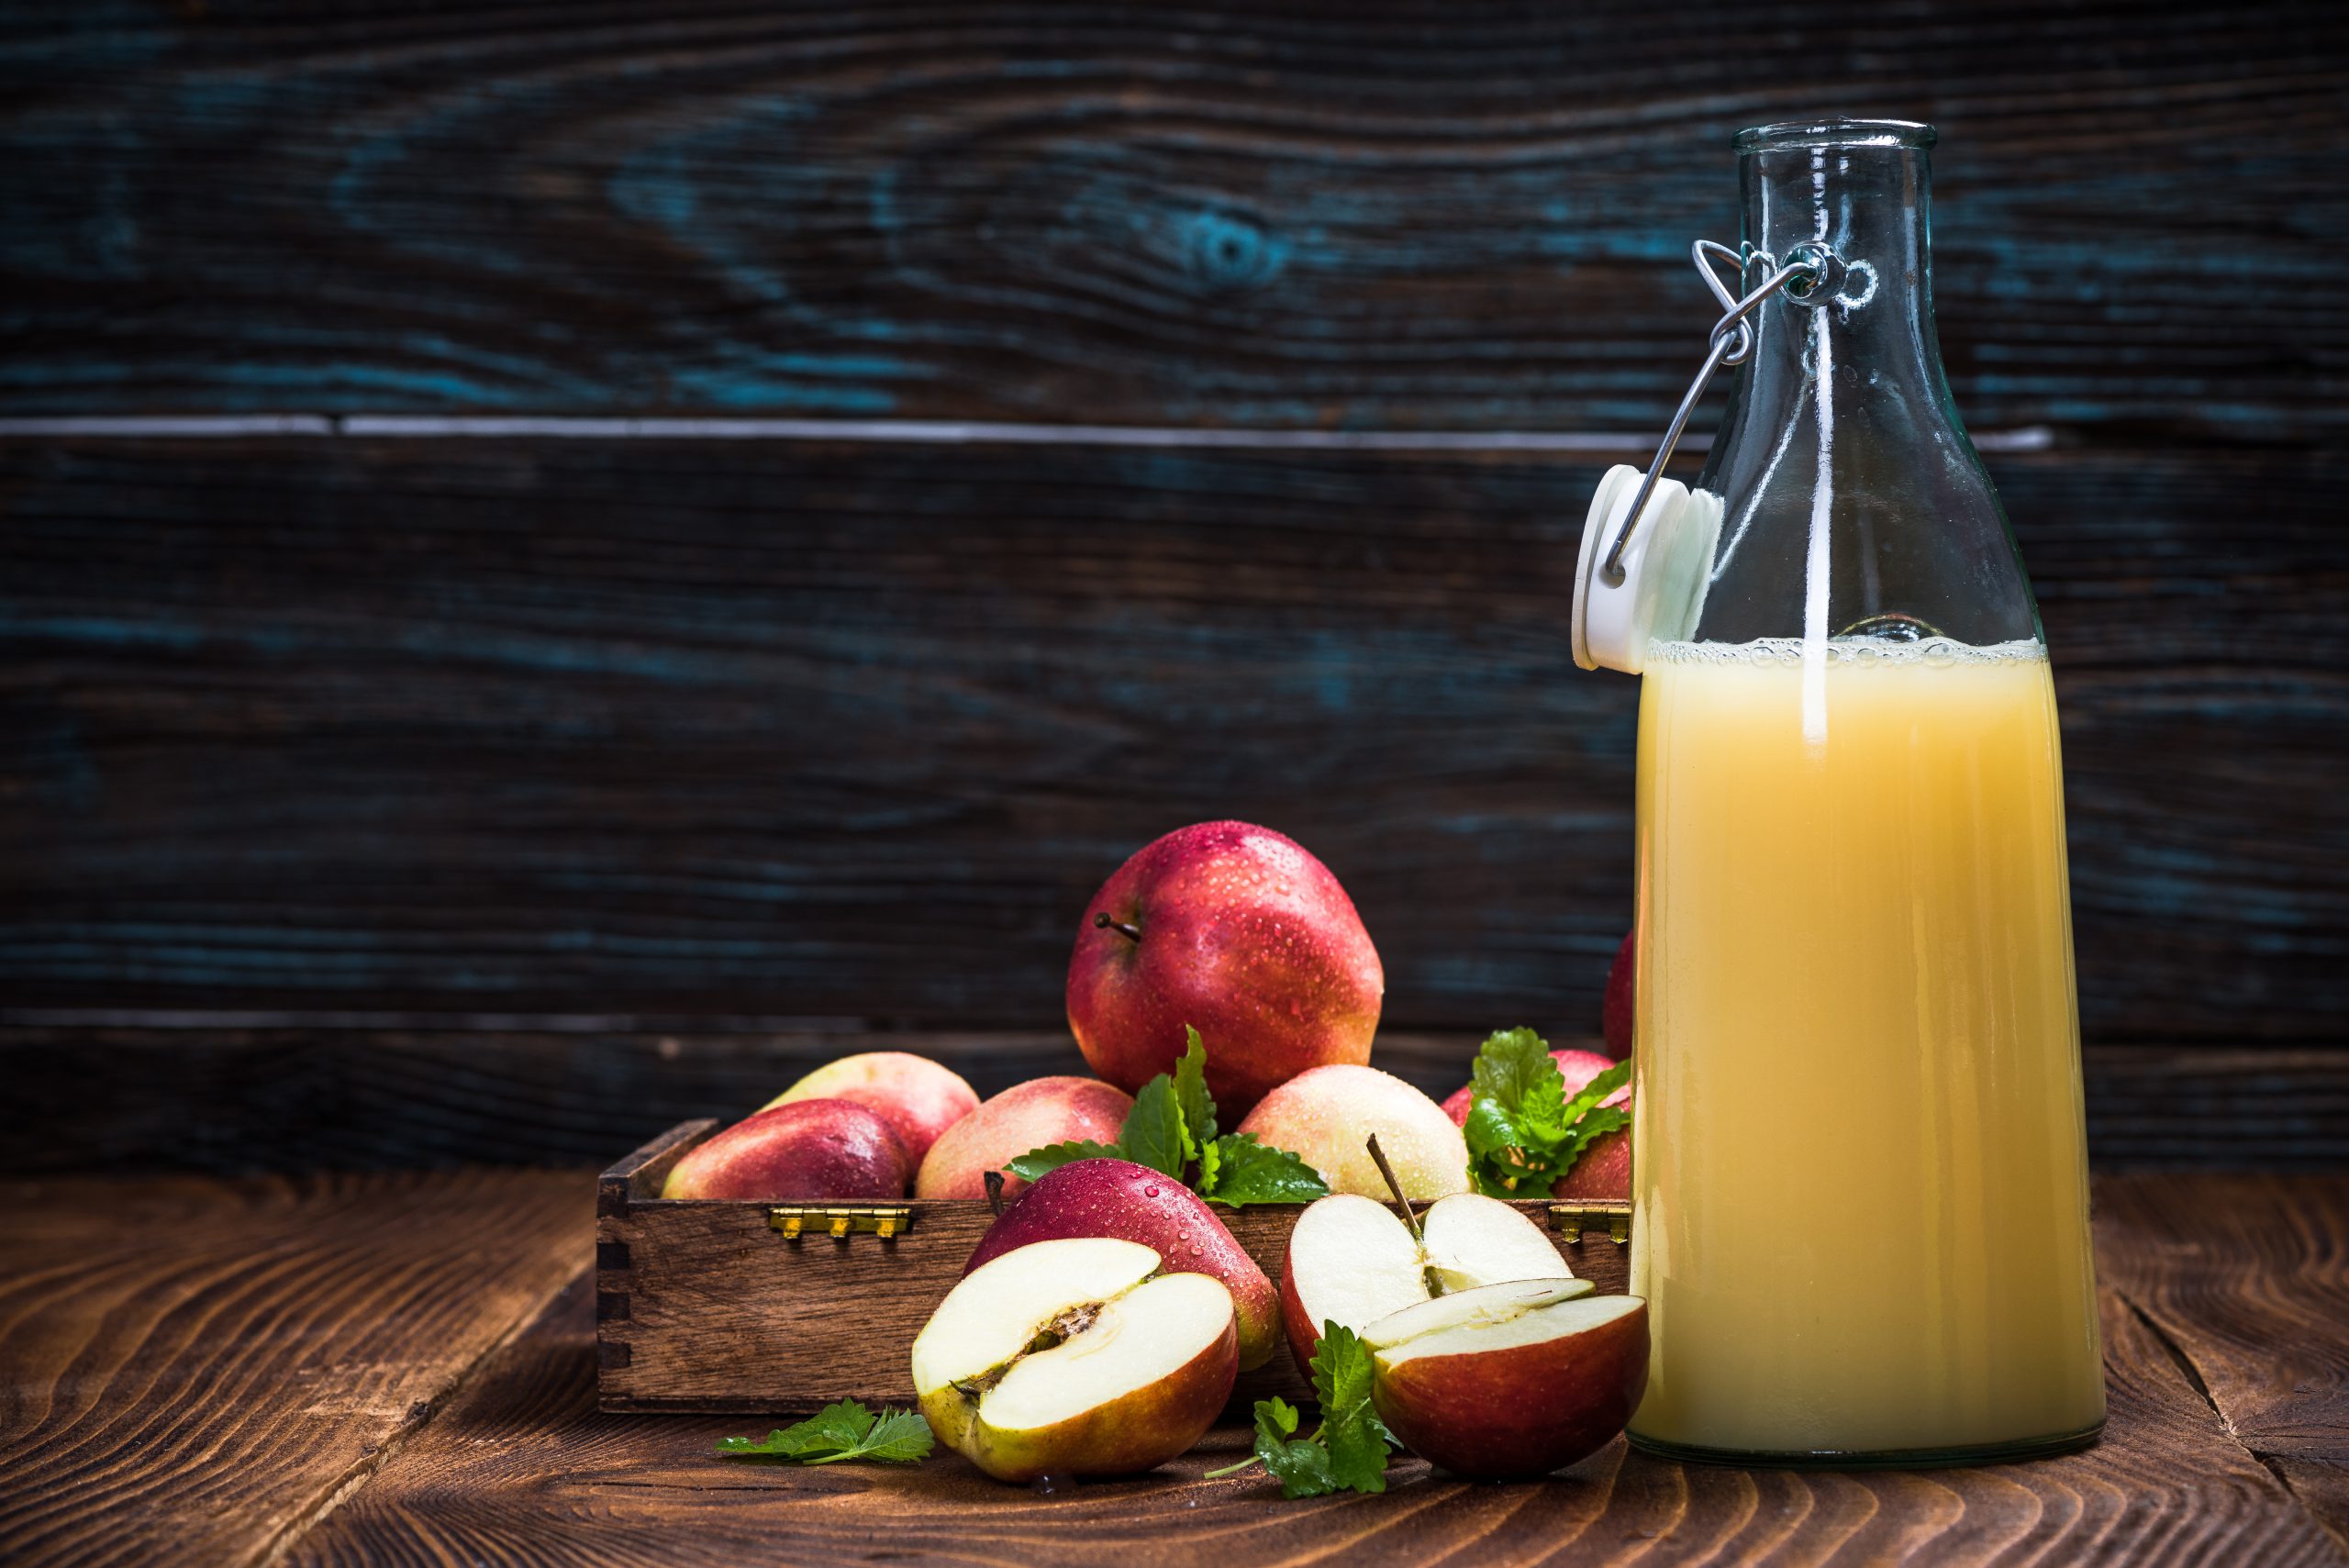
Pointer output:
x,y
1287,213
822,731
686,1294
192,1371
273,1347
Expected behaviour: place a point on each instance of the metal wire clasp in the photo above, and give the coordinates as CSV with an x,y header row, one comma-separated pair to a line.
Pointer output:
x,y
1807,267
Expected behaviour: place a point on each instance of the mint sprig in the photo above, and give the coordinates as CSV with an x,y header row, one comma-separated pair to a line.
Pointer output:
x,y
845,1431
1347,1452
1524,1131
1172,1129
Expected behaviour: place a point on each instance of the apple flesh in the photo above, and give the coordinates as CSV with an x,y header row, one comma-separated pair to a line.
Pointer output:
x,y
1135,1203
1325,1117
1354,1261
831,1149
1604,1169
919,1099
1615,1013
1237,932
1075,1357
1024,1117
1513,1393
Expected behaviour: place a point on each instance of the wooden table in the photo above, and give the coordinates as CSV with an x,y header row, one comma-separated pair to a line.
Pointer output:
x,y
400,1368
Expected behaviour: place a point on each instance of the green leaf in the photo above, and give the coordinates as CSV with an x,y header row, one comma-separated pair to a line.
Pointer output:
x,y
1192,1098
1210,1171
1587,1098
1302,1465
841,1432
1249,1171
1154,1134
1524,1132
1052,1156
1357,1439
1514,1071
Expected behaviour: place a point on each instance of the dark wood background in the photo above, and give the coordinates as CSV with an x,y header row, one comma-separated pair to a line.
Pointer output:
x,y
375,790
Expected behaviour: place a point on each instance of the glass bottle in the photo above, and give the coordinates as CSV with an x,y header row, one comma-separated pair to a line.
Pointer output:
x,y
1860,1176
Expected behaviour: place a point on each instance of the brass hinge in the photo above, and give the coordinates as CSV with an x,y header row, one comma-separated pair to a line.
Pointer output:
x,y
1577,1220
840,1224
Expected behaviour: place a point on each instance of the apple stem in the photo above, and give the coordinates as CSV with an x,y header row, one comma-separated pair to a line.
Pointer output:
x,y
1131,933
1378,1158
994,1179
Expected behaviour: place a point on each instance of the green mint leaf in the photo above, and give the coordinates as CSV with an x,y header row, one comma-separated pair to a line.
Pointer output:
x,y
1191,1095
1052,1156
1154,1134
841,1432
1210,1169
1587,1098
1357,1439
899,1436
1516,1116
1249,1171
1302,1465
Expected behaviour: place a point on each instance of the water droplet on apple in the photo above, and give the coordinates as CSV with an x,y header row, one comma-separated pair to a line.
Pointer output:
x,y
1150,1192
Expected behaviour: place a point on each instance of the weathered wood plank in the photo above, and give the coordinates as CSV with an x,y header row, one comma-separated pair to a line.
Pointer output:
x,y
2248,1276
522,1460
291,1099
1411,215
828,731
190,1370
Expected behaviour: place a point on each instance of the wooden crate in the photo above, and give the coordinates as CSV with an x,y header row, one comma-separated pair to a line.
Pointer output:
x,y
709,1304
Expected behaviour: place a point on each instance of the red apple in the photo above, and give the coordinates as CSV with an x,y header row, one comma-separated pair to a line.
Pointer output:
x,y
1615,1012
1235,932
1325,1117
1603,1170
1075,1357
1135,1203
1521,1387
1026,1116
1354,1261
919,1099
811,1149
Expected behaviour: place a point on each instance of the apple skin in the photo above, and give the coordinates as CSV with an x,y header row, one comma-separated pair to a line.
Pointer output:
x,y
832,1150
1244,936
919,1099
1133,1202
1024,1117
1615,1013
1324,1116
1525,1411
1137,1431
1604,1170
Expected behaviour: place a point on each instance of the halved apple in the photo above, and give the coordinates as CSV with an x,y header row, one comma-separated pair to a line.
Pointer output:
x,y
1075,1357
1471,1308
1497,1392
1355,1260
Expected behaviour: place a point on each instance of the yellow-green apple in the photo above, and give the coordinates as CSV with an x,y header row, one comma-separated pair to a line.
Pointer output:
x,y
1325,1117
1240,933
1075,1357
1354,1261
811,1149
1026,1116
1508,1380
915,1096
1615,1013
1135,1203
1603,1170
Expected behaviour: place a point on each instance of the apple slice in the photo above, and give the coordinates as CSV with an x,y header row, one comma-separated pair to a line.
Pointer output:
x,y
1468,1309
1075,1357
1470,1239
1517,1394
1356,1261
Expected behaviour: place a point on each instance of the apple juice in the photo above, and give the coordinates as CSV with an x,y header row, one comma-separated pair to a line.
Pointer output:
x,y
1858,1154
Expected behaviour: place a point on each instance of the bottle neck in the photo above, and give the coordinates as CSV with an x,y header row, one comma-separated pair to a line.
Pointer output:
x,y
1869,207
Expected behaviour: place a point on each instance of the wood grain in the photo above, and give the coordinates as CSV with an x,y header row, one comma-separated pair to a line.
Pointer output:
x,y
702,1306
190,1370
1290,215
2246,1278
522,1470
852,733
